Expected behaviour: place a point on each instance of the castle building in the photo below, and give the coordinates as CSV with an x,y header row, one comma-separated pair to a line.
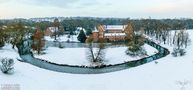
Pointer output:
x,y
110,32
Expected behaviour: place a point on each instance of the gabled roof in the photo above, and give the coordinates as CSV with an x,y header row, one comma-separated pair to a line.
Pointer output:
x,y
52,29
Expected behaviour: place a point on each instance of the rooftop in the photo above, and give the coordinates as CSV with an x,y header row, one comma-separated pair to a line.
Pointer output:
x,y
115,34
114,27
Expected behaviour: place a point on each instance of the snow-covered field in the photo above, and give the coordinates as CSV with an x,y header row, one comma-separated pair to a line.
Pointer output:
x,y
169,73
79,56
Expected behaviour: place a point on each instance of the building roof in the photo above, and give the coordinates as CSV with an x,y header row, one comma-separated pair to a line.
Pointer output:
x,y
115,27
52,29
115,34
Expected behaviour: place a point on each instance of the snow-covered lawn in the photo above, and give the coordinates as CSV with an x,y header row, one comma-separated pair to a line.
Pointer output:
x,y
79,56
64,38
169,73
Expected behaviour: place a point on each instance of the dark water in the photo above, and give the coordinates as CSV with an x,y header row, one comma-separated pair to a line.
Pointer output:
x,y
27,56
75,44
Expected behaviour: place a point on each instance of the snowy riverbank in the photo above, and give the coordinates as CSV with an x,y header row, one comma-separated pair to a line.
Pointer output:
x,y
170,73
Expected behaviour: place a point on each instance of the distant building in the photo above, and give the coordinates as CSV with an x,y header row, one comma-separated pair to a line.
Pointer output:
x,y
110,32
50,31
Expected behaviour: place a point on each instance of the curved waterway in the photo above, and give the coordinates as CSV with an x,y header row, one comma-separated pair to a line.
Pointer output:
x,y
27,56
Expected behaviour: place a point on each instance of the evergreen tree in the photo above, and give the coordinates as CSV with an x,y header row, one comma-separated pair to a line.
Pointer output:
x,y
82,36
88,31
1,38
1,42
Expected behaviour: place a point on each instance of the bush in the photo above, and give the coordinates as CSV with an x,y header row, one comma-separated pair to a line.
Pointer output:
x,y
6,65
136,52
178,52
61,45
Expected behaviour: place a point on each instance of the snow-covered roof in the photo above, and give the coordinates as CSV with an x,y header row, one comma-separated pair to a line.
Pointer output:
x,y
52,29
114,27
115,34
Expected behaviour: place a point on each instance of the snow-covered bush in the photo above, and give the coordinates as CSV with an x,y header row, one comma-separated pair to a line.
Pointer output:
x,y
6,65
178,52
61,45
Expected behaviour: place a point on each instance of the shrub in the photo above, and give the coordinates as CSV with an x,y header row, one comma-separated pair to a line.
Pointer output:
x,y
178,52
82,37
136,52
6,65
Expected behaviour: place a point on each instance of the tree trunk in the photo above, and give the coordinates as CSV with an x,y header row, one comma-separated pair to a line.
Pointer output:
x,y
92,53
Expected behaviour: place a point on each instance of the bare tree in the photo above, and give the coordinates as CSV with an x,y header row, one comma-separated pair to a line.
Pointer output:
x,y
98,57
56,25
180,42
181,38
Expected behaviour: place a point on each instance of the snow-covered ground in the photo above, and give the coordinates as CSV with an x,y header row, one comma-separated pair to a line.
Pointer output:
x,y
79,56
64,38
170,73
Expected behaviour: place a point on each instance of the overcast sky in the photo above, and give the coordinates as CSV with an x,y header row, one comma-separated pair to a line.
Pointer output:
x,y
97,8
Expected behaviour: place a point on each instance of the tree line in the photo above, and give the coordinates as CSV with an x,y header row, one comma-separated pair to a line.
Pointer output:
x,y
14,31
89,23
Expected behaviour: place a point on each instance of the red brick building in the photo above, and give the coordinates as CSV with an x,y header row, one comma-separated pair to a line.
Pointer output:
x,y
50,31
111,32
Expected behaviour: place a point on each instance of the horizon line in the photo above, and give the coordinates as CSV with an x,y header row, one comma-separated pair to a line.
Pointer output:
x,y
41,17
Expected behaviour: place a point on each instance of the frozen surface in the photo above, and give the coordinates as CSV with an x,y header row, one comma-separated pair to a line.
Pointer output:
x,y
79,56
64,38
